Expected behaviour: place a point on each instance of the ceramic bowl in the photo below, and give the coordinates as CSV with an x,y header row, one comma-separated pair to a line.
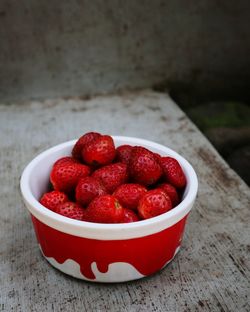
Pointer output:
x,y
105,252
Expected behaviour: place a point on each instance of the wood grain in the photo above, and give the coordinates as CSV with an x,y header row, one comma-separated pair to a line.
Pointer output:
x,y
211,272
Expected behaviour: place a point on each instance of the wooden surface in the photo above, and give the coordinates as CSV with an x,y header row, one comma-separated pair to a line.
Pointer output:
x,y
211,272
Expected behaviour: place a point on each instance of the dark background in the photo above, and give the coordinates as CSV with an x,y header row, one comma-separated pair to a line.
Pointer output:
x,y
64,48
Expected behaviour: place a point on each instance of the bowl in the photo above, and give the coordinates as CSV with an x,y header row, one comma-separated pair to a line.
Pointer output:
x,y
105,252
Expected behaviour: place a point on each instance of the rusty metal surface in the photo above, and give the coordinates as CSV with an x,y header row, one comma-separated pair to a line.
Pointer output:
x,y
211,272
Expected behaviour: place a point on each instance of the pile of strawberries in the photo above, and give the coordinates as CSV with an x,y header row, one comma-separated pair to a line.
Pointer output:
x,y
104,184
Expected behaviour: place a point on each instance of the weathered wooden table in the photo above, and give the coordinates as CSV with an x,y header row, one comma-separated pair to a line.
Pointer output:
x,y
211,272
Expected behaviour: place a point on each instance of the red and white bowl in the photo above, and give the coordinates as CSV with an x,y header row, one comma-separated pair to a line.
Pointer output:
x,y
105,252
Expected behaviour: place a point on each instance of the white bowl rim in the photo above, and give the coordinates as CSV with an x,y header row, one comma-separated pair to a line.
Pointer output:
x,y
117,231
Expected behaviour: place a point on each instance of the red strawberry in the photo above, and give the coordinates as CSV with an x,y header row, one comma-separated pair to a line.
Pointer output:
x,y
170,190
52,199
105,209
129,194
154,203
157,157
173,172
112,176
71,210
83,140
65,160
143,166
87,189
129,216
100,151
123,153
64,176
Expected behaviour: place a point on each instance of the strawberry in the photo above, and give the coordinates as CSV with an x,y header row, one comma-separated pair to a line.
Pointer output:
x,y
170,190
144,167
105,209
129,195
129,216
82,141
154,203
100,151
173,172
123,153
112,176
71,210
52,199
157,157
87,189
65,175
65,160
